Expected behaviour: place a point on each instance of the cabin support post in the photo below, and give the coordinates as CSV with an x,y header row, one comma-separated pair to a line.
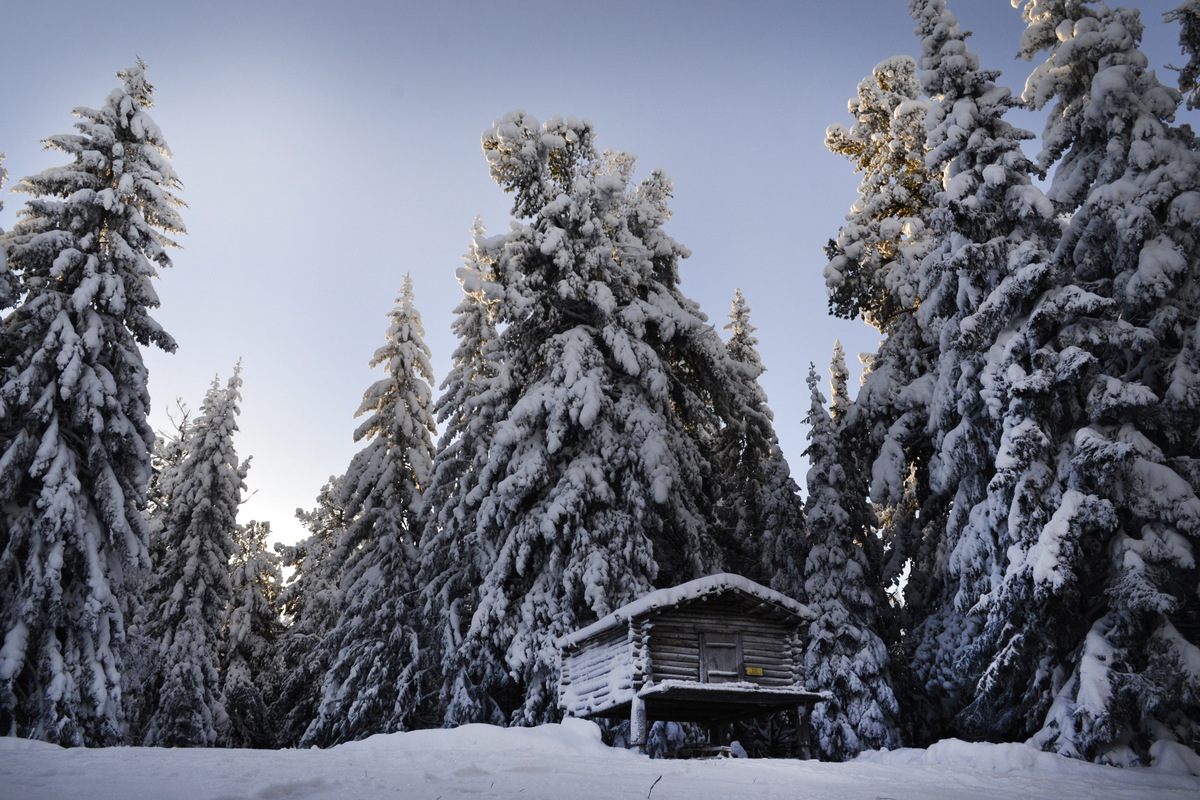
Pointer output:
x,y
638,728
801,732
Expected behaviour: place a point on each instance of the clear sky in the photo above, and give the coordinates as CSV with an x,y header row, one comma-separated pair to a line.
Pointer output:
x,y
328,148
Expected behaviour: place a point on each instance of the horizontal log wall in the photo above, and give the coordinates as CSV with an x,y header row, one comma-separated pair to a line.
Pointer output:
x,y
767,644
598,674
607,670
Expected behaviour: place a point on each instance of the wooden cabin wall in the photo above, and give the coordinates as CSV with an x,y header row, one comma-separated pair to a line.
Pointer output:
x,y
598,674
674,643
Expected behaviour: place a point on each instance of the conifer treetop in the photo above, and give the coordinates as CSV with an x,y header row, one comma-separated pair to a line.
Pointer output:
x,y
107,217
743,344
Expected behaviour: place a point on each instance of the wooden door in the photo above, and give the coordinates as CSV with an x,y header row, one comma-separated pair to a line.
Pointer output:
x,y
720,657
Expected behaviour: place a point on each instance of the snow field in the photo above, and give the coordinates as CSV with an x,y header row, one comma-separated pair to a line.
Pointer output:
x,y
566,760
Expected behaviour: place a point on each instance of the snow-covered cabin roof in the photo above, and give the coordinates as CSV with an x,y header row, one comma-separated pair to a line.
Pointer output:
x,y
698,589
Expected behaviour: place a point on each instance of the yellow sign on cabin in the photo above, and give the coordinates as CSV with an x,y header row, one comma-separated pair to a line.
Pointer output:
x,y
754,671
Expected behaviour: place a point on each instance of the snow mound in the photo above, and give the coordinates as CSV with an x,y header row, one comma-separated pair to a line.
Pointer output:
x,y
572,737
1175,758
1002,758
1016,758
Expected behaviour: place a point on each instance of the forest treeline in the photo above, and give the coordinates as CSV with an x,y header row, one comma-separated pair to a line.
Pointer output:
x,y
998,534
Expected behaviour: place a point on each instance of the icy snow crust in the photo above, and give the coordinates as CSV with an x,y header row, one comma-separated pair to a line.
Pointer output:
x,y
692,590
556,761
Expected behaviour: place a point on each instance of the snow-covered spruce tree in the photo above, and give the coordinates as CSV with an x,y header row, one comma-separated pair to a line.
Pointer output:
x,y
372,685
453,559
187,604
845,656
248,675
1120,336
598,483
74,440
309,606
760,512
1028,631
988,262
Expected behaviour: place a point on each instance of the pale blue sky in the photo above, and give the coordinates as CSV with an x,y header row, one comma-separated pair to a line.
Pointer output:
x,y
328,148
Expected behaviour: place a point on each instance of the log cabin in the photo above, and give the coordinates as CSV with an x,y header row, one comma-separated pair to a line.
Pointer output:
x,y
712,650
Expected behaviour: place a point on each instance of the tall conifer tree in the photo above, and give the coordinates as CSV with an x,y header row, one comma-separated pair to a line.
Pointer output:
x,y
599,484
188,604
372,685
453,559
760,511
1118,340
992,230
845,655
1039,475
74,440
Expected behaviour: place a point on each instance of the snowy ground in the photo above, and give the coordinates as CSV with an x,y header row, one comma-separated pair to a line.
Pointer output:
x,y
557,761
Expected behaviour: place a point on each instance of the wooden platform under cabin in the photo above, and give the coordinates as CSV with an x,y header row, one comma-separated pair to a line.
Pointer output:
x,y
711,703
